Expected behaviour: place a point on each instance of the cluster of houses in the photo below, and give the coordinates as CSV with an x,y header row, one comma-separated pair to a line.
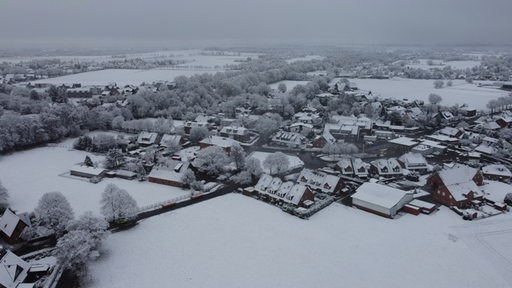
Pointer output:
x,y
15,271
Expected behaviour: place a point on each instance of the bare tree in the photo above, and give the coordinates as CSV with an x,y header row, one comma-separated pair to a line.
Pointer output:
x,y
277,163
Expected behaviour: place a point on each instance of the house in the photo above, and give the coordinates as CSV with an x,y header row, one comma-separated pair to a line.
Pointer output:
x,y
386,167
428,147
147,138
272,189
496,172
320,182
87,171
451,132
189,125
238,133
82,92
413,162
12,225
380,199
360,168
308,118
13,270
324,139
171,175
456,186
301,128
224,143
289,139
345,167
403,144
171,140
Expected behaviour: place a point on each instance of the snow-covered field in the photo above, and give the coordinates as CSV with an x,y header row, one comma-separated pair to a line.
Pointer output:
x,y
29,174
236,241
412,89
123,77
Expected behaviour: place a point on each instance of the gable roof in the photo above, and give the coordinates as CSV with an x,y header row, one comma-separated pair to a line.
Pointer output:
x,y
9,221
458,174
13,270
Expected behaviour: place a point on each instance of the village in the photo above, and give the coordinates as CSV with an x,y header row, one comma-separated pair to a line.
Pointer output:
x,y
299,160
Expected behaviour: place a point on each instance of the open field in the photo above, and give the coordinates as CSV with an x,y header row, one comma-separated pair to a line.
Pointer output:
x,y
236,241
29,174
411,89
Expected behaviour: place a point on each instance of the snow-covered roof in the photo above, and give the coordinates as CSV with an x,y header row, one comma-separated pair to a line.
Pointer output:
x,y
458,174
233,130
263,182
218,141
147,138
275,188
173,173
9,221
459,191
380,195
318,180
485,149
88,170
413,160
434,144
360,168
13,270
497,169
298,124
449,131
170,139
345,164
296,193
404,141
442,138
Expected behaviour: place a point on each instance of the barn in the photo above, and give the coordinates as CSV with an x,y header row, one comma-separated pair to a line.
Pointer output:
x,y
380,199
87,172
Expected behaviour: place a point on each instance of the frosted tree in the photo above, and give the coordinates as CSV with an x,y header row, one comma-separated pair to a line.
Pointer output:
x,y
277,163
117,205
281,87
114,159
434,99
188,177
238,155
54,212
173,146
438,84
74,250
253,166
4,197
211,160
95,226
197,134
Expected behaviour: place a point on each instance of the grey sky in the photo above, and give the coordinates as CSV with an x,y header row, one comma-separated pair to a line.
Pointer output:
x,y
209,22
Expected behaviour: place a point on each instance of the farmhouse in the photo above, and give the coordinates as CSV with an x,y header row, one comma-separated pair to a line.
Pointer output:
x,y
380,199
320,182
11,226
171,175
87,172
456,186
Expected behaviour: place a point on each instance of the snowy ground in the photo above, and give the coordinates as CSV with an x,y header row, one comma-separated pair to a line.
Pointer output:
x,y
123,77
29,174
412,89
236,241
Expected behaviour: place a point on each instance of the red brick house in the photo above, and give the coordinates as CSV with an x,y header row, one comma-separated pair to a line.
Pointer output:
x,y
11,226
457,186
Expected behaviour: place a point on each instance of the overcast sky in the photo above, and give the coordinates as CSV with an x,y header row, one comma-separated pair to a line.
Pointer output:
x,y
244,22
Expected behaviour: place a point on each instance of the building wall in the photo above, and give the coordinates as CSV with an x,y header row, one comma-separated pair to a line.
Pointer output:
x,y
371,207
165,182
